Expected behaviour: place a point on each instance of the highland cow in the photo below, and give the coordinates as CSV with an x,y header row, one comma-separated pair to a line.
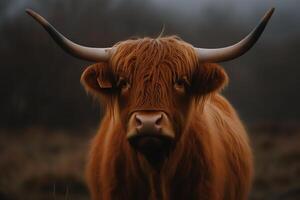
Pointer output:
x,y
167,132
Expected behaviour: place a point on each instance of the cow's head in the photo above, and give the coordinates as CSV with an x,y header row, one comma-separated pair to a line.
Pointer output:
x,y
152,83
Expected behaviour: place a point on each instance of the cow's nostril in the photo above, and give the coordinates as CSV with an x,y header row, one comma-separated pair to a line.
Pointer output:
x,y
138,121
159,120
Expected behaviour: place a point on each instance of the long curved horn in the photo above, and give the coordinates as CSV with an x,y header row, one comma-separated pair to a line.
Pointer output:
x,y
238,49
85,53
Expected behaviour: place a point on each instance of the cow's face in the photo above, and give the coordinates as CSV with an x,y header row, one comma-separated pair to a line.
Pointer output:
x,y
154,83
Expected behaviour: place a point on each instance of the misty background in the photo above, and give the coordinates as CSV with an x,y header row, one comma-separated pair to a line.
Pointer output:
x,y
47,119
39,83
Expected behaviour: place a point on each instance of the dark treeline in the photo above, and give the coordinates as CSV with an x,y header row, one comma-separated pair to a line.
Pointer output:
x,y
39,83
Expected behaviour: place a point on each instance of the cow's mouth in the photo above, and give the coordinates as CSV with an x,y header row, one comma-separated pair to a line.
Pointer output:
x,y
155,148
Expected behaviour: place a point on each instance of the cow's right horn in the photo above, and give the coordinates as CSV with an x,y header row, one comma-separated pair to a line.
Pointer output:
x,y
236,50
85,53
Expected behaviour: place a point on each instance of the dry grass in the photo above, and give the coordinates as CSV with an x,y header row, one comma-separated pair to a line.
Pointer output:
x,y
277,164
40,164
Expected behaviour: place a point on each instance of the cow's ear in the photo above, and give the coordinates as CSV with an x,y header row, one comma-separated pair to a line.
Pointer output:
x,y
98,79
208,78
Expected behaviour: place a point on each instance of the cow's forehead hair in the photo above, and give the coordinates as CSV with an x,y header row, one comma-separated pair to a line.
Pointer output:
x,y
146,56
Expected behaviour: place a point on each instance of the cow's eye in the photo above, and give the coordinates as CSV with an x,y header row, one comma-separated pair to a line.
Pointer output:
x,y
123,84
181,85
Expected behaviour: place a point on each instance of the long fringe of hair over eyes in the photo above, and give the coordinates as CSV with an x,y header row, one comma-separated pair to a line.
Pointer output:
x,y
155,61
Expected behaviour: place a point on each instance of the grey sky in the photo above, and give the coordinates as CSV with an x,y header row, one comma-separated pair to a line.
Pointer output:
x,y
187,8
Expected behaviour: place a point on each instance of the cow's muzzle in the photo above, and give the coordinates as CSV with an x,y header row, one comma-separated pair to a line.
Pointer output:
x,y
151,133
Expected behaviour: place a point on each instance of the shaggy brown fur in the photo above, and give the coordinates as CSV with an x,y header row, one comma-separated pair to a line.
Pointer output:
x,y
212,159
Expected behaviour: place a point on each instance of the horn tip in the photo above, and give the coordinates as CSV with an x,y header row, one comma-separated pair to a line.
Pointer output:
x,y
37,17
29,11
269,14
272,9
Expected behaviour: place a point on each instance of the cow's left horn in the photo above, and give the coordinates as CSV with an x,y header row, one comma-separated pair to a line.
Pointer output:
x,y
236,50
85,53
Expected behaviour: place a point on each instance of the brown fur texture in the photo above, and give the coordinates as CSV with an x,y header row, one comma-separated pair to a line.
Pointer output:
x,y
212,159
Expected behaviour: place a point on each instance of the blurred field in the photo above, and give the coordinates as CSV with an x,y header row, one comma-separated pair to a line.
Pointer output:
x,y
39,86
41,164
